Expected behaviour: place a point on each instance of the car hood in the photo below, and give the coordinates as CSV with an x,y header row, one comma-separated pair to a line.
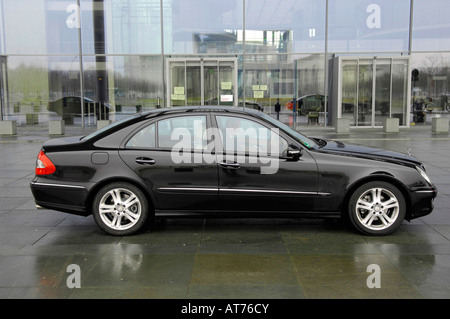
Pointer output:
x,y
340,148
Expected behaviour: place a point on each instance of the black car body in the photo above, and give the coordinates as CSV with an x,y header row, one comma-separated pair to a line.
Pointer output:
x,y
131,170
252,105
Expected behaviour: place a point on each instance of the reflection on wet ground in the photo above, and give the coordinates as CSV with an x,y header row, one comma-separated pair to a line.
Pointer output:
x,y
223,258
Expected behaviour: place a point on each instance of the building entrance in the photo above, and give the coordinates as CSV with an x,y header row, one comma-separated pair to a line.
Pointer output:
x,y
201,81
368,90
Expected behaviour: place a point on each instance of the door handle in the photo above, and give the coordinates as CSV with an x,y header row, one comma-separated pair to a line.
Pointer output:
x,y
145,160
230,165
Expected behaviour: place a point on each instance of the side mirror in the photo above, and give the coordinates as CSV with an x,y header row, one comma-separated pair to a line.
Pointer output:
x,y
292,155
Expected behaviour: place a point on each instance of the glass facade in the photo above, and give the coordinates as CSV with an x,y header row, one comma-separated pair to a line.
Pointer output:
x,y
85,60
368,26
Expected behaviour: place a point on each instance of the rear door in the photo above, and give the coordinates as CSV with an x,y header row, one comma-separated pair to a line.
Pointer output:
x,y
170,155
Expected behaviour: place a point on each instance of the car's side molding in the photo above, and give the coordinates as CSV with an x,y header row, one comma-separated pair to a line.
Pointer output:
x,y
247,190
205,189
242,190
57,185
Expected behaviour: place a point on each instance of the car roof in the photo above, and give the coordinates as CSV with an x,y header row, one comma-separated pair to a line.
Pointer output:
x,y
198,108
137,117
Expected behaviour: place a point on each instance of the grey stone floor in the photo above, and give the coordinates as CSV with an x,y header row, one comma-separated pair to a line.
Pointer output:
x,y
217,259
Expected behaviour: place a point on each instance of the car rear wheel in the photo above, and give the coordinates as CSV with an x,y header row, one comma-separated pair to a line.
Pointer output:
x,y
377,208
120,209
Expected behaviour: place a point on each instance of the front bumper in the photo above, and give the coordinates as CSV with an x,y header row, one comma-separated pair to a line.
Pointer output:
x,y
422,203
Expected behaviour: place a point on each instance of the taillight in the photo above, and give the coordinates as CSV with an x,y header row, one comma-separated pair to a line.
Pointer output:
x,y
44,165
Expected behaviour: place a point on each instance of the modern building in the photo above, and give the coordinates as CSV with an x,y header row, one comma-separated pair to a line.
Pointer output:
x,y
338,58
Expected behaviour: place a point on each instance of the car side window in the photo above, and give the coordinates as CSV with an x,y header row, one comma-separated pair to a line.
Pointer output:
x,y
243,135
186,132
145,137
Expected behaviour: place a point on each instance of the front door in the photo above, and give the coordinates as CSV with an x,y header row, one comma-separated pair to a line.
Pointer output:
x,y
253,173
205,81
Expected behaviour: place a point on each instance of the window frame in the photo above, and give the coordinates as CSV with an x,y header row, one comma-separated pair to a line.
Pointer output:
x,y
157,141
137,131
219,142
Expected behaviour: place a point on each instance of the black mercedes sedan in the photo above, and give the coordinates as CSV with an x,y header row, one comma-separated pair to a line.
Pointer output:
x,y
225,161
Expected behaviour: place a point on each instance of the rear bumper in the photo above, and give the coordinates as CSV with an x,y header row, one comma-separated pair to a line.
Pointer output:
x,y
61,197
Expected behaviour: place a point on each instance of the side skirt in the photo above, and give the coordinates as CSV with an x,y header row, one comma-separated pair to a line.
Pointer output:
x,y
244,214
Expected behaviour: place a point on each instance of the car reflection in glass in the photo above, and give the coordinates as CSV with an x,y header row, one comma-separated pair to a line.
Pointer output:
x,y
71,105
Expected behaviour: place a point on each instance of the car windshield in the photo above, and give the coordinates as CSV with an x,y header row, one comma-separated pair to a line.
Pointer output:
x,y
306,141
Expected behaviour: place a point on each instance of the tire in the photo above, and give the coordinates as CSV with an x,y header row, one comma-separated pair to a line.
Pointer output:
x,y
430,107
113,212
377,208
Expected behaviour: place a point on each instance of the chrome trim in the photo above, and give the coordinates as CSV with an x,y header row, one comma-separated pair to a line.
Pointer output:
x,y
212,189
57,185
427,191
242,190
324,194
273,191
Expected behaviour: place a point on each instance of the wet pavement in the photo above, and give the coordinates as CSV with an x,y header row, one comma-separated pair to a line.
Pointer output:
x,y
222,258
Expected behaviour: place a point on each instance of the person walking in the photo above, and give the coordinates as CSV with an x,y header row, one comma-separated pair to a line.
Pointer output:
x,y
277,109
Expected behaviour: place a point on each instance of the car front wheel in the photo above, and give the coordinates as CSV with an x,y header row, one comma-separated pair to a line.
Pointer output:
x,y
120,209
377,208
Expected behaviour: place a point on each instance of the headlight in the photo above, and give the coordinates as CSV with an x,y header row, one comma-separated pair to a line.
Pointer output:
x,y
424,175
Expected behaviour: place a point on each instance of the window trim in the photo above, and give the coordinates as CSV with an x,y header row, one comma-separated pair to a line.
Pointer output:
x,y
156,121
219,144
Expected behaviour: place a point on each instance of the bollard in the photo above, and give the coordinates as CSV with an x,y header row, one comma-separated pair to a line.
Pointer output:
x,y
391,125
439,125
56,127
342,125
8,127
103,123
32,118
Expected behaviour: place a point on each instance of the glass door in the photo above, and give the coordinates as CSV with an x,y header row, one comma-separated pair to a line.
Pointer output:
x,y
211,83
227,83
400,94
383,90
2,87
350,91
177,88
371,90
193,84
185,84
219,82
201,82
365,93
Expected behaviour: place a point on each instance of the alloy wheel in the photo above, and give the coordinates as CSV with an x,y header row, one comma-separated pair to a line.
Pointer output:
x,y
377,208
120,209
